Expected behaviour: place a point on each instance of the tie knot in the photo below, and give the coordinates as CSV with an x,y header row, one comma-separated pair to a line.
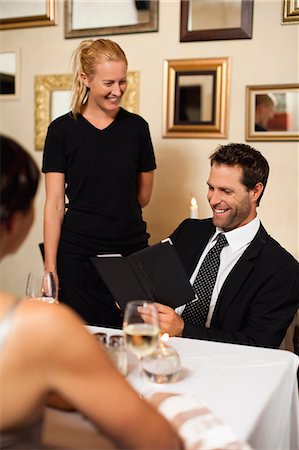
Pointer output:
x,y
221,241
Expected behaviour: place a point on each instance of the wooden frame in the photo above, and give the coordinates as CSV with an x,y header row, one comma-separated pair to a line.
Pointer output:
x,y
242,32
16,78
151,25
290,11
208,118
32,20
47,85
277,118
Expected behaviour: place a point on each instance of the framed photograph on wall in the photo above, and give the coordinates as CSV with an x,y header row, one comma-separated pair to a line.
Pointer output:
x,y
272,113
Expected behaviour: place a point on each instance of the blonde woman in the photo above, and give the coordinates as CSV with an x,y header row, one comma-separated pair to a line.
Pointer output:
x,y
46,348
101,157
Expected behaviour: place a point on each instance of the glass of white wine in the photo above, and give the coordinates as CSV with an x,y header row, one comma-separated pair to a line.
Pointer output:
x,y
41,286
141,327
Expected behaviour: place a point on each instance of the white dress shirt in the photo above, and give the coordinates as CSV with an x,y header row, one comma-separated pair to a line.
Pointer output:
x,y
238,241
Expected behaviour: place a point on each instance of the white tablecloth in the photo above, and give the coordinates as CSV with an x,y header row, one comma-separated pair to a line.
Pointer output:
x,y
253,390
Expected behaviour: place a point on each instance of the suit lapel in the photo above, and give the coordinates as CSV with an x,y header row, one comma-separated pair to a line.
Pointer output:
x,y
238,275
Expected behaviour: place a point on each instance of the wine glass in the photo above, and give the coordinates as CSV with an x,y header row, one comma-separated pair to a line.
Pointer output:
x,y
41,286
141,327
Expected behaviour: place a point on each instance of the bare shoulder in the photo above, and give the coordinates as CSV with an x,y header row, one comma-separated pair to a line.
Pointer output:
x,y
46,322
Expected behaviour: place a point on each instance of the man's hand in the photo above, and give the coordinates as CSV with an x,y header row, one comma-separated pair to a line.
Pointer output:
x,y
170,321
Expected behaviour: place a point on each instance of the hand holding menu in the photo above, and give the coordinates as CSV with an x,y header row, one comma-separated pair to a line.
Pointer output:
x,y
154,273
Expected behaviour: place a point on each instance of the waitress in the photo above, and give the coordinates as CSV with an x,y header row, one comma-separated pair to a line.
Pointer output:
x,y
100,157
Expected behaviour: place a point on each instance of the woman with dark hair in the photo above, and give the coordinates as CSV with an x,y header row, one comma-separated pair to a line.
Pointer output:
x,y
46,348
19,180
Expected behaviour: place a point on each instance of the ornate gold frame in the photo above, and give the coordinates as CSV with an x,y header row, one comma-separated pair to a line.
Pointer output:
x,y
46,84
32,21
290,11
220,66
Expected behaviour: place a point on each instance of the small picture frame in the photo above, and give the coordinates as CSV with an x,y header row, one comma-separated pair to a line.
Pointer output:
x,y
195,98
272,113
290,12
203,20
10,74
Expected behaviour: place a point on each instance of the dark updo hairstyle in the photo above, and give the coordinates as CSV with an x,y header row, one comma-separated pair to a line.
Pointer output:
x,y
19,179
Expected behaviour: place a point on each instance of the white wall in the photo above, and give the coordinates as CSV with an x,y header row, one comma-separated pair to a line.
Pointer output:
x,y
270,57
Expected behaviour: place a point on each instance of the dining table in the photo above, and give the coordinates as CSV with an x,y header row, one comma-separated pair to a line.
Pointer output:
x,y
253,390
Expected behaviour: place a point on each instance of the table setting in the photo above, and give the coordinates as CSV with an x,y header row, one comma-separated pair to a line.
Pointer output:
x,y
219,395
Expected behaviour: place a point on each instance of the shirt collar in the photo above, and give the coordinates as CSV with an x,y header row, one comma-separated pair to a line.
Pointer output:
x,y
239,237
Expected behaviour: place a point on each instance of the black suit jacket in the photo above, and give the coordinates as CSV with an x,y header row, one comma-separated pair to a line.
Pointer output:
x,y
260,296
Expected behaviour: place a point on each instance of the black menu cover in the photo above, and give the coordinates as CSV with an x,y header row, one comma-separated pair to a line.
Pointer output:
x,y
154,273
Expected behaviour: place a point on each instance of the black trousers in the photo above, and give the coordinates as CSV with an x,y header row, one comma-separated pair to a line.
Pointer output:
x,y
83,290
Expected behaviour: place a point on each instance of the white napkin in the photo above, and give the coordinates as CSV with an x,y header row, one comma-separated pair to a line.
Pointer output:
x,y
195,423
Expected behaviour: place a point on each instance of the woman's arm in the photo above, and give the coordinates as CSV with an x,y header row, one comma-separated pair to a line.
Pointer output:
x,y
53,217
145,187
80,371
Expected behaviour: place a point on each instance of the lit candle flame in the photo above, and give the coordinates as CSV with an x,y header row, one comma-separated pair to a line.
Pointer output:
x,y
193,201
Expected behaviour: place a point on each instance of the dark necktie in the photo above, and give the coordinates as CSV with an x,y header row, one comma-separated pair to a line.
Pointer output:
x,y
196,312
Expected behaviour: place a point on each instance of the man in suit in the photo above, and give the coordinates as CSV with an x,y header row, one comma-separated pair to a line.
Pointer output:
x,y
256,292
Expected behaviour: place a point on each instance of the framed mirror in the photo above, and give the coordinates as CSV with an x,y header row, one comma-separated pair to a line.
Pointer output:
x,y
272,113
85,19
195,98
290,11
23,14
53,97
206,20
10,75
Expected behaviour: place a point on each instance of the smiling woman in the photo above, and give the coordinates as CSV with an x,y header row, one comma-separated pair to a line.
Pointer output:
x,y
101,157
53,98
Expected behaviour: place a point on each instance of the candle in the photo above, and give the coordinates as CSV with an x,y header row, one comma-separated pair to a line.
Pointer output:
x,y
193,209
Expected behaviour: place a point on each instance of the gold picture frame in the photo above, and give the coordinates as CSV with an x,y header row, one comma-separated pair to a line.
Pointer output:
x,y
26,16
290,12
196,97
47,85
272,112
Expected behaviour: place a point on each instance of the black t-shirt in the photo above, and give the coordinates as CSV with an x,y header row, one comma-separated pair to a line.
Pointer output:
x,y
100,168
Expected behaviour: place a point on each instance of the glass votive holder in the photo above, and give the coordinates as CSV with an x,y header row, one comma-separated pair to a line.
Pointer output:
x,y
118,353
101,337
162,365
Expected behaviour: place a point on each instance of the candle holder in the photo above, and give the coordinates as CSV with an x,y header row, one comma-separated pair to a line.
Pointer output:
x,y
162,365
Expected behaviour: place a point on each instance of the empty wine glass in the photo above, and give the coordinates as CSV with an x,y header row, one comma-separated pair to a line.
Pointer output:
x,y
41,286
141,327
